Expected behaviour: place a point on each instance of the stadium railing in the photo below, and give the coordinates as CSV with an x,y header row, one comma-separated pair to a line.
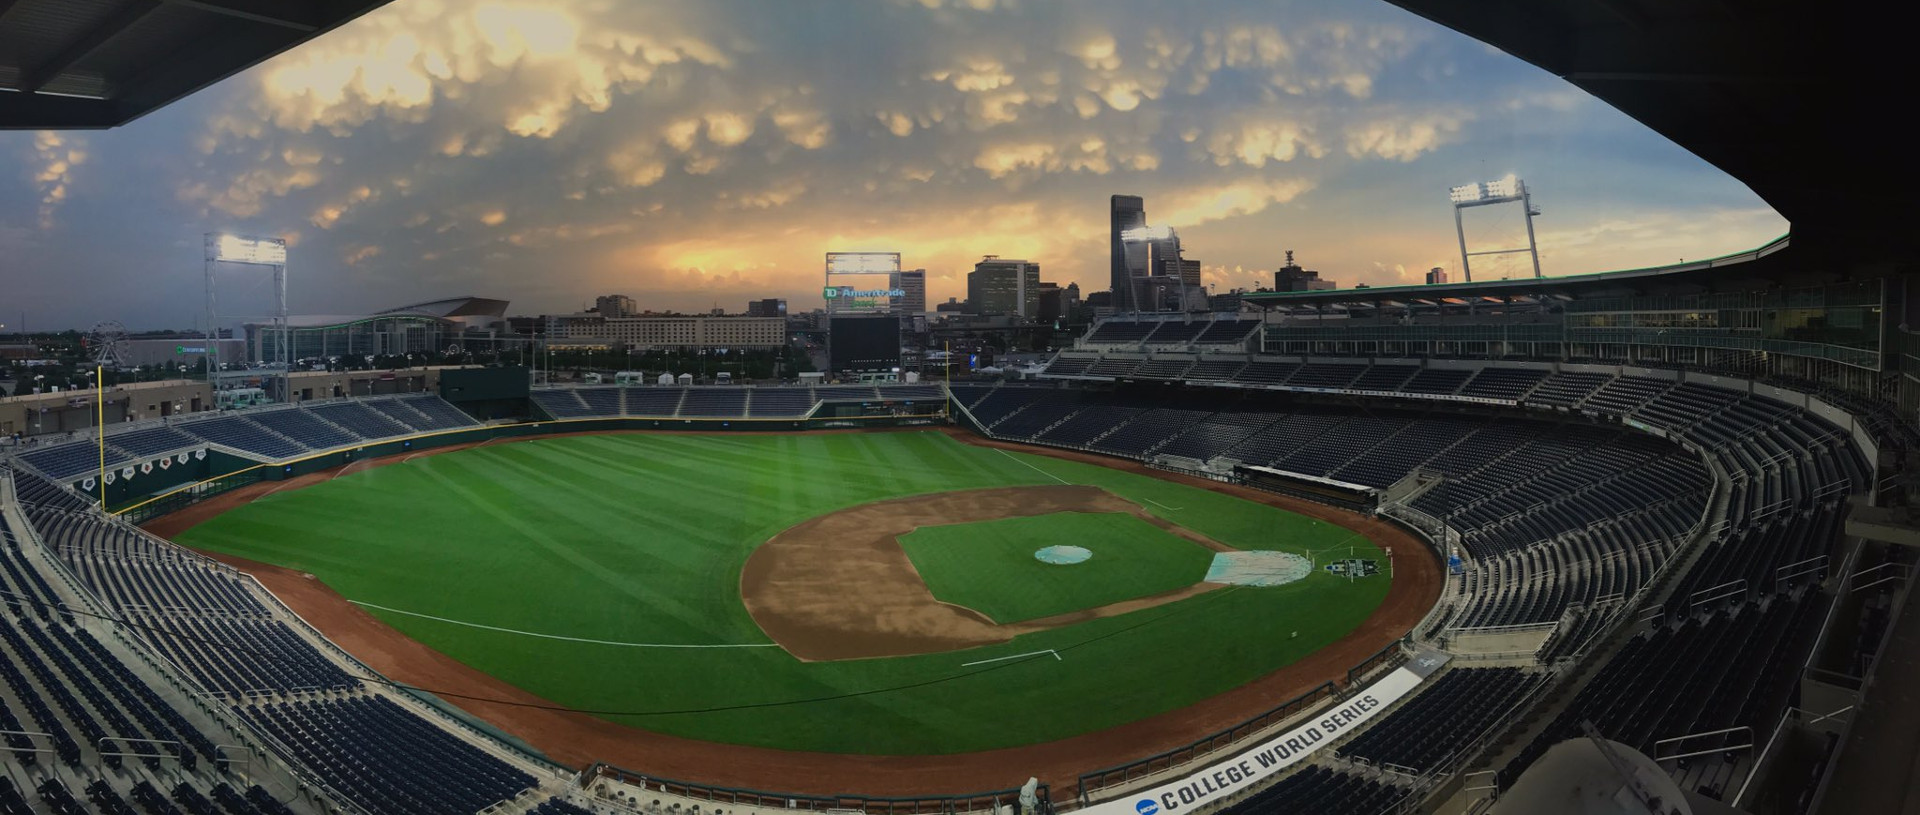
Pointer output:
x,y
1118,778
1138,771
989,801
104,622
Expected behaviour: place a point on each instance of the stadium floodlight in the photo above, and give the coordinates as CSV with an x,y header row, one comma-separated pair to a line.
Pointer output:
x,y
862,262
1147,233
1498,191
1153,236
249,250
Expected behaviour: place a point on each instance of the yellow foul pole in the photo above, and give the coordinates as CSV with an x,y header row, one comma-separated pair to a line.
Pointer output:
x,y
100,426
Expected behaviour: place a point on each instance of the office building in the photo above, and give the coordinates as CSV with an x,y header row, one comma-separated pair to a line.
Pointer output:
x,y
1436,276
1124,212
769,307
1293,278
614,305
914,284
1002,286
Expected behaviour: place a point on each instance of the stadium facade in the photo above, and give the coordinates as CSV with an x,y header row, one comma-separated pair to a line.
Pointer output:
x,y
432,326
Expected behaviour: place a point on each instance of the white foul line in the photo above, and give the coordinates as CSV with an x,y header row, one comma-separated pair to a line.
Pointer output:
x,y
1056,657
559,637
1035,469
1070,483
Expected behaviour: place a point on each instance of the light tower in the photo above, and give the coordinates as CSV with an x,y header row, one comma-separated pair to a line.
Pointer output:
x,y
250,251
1507,190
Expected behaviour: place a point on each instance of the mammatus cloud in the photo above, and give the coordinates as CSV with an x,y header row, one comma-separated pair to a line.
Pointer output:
x,y
548,151
57,155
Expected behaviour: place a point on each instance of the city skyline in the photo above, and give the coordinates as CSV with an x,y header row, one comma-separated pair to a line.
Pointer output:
x,y
687,155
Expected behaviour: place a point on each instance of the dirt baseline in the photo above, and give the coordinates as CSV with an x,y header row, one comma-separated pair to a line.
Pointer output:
x,y
579,740
839,586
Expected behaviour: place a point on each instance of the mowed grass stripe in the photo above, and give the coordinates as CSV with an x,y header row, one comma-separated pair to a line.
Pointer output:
x,y
640,538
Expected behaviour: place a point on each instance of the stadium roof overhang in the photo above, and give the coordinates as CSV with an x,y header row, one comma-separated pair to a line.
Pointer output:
x,y
1798,101
82,64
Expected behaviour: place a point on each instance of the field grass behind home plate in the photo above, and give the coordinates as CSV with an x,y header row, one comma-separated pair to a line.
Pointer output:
x,y
603,572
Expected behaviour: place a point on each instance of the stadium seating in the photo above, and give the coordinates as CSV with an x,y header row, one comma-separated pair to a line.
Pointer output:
x,y
303,428
1562,523
1502,383
1148,430
1443,718
1692,675
1266,372
66,461
151,441
1566,388
65,682
1215,435
779,402
911,392
237,432
33,490
1088,424
388,760
1320,790
1214,370
654,401
1437,381
1326,375
1114,367
1120,331
366,420
562,404
1227,332
1069,366
602,401
1169,369
714,402
436,413
1384,377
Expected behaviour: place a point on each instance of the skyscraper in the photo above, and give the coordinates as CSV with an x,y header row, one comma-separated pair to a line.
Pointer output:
x,y
914,283
1436,276
1126,212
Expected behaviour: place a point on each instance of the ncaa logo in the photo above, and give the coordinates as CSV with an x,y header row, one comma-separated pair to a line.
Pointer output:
x,y
1146,806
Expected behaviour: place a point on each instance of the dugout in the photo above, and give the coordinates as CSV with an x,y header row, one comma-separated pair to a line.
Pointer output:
x,y
1323,490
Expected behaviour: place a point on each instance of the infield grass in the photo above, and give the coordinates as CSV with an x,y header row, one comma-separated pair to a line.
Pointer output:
x,y
989,566
638,540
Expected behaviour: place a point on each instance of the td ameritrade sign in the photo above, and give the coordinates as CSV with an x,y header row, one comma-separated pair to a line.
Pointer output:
x,y
1241,772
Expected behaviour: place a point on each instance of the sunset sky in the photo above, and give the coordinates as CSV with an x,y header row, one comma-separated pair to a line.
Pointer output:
x,y
699,153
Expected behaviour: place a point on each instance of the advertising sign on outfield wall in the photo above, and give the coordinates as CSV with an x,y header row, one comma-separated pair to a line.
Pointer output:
x,y
1234,775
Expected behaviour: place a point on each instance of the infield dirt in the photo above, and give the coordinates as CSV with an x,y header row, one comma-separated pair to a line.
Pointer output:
x,y
796,585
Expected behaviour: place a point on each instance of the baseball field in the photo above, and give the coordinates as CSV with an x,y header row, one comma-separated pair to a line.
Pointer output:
x,y
868,593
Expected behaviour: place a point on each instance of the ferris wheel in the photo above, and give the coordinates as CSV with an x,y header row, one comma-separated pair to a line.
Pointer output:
x,y
107,344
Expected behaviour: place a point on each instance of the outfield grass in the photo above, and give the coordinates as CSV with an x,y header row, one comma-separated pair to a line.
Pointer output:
x,y
640,539
989,566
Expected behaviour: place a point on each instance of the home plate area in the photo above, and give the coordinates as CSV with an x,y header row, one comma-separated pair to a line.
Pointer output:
x,y
1257,568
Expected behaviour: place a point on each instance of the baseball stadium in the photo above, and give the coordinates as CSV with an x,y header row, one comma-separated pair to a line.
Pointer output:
x,y
1474,547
